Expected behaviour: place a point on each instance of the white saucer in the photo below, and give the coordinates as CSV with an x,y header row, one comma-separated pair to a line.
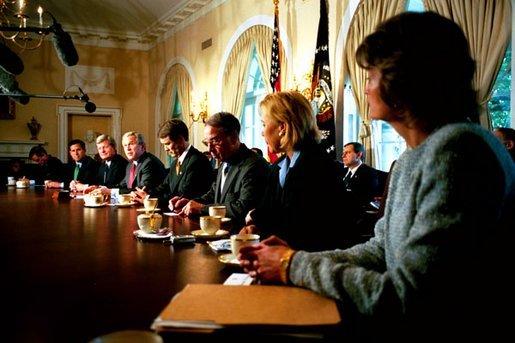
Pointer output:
x,y
145,210
143,234
229,259
124,205
226,219
22,187
95,206
202,234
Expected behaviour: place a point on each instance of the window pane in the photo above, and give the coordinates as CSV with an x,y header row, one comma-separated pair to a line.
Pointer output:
x,y
251,119
388,144
499,104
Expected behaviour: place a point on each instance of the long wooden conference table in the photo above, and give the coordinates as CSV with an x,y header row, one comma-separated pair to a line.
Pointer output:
x,y
72,273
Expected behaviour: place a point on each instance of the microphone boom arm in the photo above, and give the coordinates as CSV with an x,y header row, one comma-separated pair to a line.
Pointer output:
x,y
82,97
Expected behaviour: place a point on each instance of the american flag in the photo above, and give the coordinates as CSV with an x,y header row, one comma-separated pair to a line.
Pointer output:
x,y
275,70
321,88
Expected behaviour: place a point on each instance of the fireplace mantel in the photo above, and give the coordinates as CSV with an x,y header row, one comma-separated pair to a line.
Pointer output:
x,y
17,148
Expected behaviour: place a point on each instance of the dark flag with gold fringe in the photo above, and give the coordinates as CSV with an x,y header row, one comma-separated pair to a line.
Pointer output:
x,y
275,66
321,88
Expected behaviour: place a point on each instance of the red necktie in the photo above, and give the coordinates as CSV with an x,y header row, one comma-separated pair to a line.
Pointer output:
x,y
132,175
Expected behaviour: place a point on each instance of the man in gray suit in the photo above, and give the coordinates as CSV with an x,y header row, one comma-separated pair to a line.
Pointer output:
x,y
241,178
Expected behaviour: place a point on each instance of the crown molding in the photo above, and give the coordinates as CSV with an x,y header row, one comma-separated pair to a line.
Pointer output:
x,y
171,22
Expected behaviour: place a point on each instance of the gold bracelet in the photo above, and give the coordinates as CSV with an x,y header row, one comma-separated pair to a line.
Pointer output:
x,y
285,265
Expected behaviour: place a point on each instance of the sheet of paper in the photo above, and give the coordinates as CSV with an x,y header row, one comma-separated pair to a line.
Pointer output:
x,y
171,214
238,279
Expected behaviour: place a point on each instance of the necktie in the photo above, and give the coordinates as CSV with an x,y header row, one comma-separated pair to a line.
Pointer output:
x,y
226,169
132,175
178,167
76,171
106,170
347,178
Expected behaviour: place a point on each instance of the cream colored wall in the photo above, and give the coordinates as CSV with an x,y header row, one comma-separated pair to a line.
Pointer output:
x,y
299,25
45,74
138,73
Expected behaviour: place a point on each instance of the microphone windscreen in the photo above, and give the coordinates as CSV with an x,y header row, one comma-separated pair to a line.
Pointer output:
x,y
64,47
9,61
90,107
8,83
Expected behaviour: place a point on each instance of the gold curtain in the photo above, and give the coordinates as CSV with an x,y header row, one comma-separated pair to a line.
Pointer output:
x,y
177,79
369,14
263,43
236,73
486,24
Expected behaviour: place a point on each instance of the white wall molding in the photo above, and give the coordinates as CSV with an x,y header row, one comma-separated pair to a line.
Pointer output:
x,y
63,113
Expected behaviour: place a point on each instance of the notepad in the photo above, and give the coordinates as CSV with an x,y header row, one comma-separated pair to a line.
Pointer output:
x,y
213,307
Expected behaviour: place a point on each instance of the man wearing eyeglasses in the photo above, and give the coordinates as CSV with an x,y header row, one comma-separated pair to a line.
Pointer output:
x,y
240,181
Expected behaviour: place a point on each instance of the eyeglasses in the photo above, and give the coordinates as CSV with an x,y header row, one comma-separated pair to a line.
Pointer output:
x,y
213,141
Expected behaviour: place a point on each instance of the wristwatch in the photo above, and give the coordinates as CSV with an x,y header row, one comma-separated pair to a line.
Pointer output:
x,y
285,265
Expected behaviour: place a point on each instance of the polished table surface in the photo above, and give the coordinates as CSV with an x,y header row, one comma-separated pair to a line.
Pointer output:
x,y
72,273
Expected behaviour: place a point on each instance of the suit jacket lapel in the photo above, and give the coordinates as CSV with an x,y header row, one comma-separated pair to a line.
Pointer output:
x,y
177,178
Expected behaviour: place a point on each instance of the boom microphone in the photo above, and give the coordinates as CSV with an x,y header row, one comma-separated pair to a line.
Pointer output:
x,y
63,45
89,106
8,84
9,61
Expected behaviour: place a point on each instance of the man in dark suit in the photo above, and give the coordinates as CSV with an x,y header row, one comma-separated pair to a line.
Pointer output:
x,y
190,173
50,170
241,178
112,168
361,180
82,168
144,171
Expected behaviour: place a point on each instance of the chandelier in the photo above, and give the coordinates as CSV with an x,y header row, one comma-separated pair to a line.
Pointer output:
x,y
25,28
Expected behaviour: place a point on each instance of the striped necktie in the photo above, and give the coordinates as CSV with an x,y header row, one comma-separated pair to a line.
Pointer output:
x,y
132,175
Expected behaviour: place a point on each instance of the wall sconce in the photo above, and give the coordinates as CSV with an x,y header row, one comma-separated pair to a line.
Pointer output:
x,y
304,86
202,114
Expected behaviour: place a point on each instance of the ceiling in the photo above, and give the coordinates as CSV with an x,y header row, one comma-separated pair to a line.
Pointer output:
x,y
117,21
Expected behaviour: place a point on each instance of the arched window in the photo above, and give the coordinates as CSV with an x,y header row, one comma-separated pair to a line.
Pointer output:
x,y
251,126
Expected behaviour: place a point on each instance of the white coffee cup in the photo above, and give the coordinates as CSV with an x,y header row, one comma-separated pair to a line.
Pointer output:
x,y
210,224
150,223
242,240
93,199
124,199
217,211
150,204
24,183
11,181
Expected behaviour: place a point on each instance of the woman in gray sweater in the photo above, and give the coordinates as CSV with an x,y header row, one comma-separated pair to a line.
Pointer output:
x,y
436,267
